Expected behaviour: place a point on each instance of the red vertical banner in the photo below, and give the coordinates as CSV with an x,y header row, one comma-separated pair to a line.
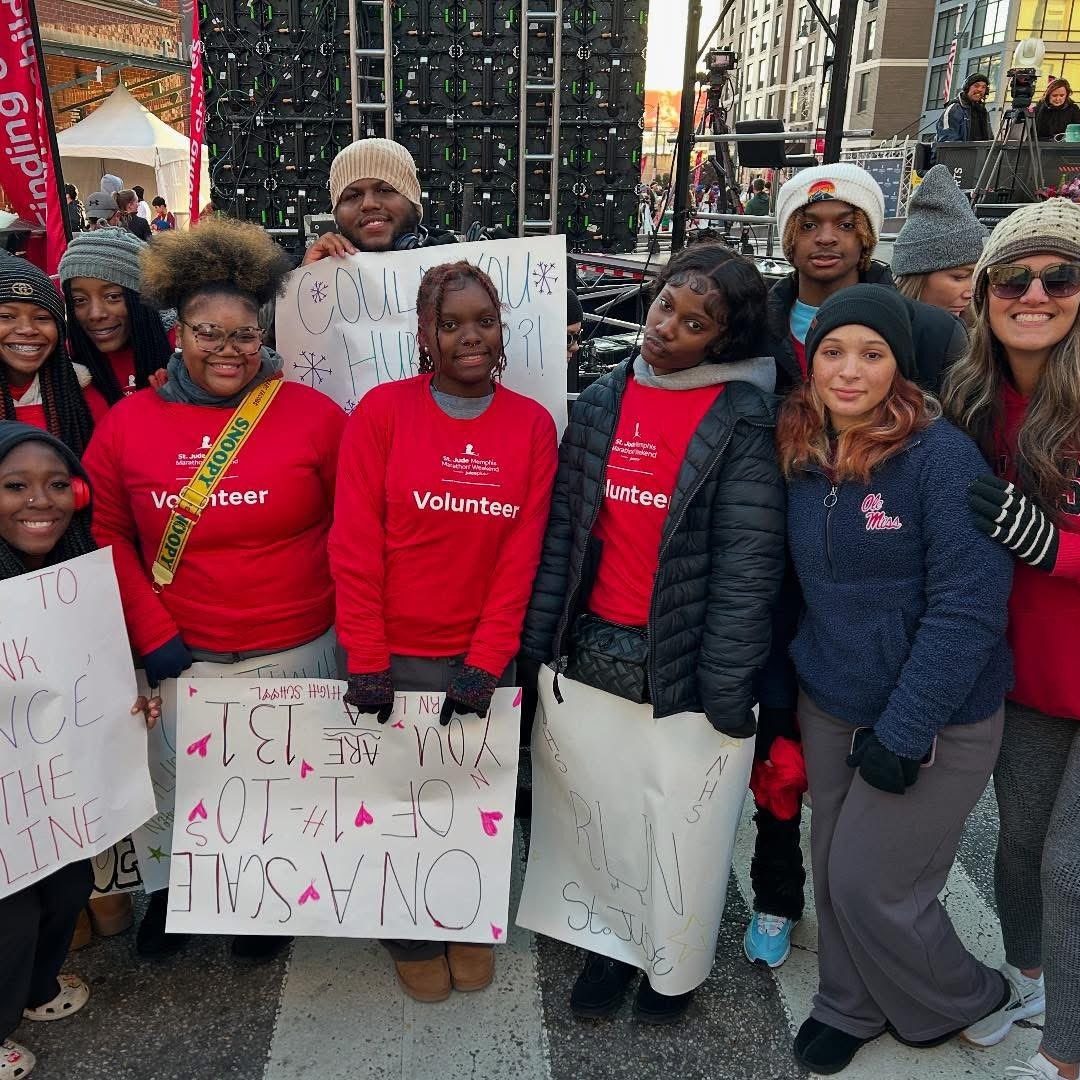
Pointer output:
x,y
29,166
197,128
946,86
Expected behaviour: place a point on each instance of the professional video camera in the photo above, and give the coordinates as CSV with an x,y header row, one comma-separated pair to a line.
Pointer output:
x,y
719,66
1027,59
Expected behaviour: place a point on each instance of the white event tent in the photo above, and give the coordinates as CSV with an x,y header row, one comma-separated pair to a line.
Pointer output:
x,y
122,137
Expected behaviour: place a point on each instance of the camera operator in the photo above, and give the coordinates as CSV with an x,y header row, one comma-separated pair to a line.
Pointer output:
x,y
966,118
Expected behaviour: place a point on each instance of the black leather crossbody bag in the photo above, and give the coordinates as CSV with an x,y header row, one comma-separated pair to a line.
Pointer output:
x,y
610,657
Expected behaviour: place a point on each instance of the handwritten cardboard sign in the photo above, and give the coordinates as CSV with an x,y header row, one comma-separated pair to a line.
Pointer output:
x,y
153,840
347,325
297,815
632,861
73,776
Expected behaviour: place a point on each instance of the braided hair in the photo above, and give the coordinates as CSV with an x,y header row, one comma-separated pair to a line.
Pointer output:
x,y
149,343
67,416
452,277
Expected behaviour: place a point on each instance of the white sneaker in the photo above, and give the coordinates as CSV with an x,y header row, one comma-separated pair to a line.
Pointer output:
x,y
16,1062
1027,998
1036,1068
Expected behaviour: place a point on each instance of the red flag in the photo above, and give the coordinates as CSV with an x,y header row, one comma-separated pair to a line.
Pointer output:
x,y
29,166
198,115
946,86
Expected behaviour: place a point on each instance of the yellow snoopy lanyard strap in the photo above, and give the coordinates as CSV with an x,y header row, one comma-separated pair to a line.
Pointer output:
x,y
195,495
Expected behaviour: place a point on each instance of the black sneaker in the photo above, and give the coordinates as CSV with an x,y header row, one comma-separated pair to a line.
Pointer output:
x,y
824,1049
151,940
651,1007
600,987
259,946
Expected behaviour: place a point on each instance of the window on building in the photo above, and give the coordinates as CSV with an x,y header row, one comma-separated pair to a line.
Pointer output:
x,y
1061,66
761,74
1053,20
778,29
869,38
988,22
863,97
810,56
935,88
945,31
770,106
990,66
796,64
794,110
765,34
774,67
753,39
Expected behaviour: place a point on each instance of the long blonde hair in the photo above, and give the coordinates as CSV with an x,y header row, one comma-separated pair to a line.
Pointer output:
x,y
971,395
910,285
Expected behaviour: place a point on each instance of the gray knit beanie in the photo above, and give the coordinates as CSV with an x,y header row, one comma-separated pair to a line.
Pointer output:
x,y
1044,228
109,254
941,230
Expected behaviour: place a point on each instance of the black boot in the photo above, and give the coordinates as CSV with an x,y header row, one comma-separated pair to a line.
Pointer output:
x,y
600,987
651,1007
826,1050
151,940
259,946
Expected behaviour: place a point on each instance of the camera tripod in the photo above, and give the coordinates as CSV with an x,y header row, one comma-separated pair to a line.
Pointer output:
x,y
1002,141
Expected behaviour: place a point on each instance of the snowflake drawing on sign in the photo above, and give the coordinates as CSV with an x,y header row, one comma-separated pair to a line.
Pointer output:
x,y
319,291
313,370
350,405
543,278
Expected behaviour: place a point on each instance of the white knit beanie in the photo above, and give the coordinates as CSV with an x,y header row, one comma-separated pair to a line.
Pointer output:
x,y
843,182
376,159
1044,228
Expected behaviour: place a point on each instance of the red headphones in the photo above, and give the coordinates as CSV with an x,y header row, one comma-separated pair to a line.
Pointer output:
x,y
80,489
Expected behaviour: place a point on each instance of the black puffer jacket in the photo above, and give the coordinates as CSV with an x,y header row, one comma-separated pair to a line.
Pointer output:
x,y
721,555
940,338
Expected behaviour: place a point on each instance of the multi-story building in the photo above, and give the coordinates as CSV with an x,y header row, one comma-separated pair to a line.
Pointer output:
x,y
783,47
985,33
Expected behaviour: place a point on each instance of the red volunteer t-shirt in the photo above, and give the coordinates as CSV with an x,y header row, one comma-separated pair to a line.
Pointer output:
x,y
1044,609
254,576
438,525
654,430
34,414
122,363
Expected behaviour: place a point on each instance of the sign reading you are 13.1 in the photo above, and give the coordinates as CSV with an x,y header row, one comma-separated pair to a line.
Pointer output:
x,y
297,815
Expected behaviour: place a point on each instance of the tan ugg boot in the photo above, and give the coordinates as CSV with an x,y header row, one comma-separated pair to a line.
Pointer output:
x,y
424,980
111,914
472,967
81,938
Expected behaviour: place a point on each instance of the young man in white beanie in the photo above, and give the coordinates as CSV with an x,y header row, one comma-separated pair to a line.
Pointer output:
x,y
829,218
375,193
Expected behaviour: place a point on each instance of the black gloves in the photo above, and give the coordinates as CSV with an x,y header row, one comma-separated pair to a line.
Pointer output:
x,y
1005,514
880,767
469,691
372,693
168,661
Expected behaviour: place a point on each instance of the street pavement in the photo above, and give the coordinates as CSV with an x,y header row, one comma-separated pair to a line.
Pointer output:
x,y
331,1010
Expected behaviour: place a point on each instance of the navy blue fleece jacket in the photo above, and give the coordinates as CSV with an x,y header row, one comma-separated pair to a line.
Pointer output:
x,y
904,625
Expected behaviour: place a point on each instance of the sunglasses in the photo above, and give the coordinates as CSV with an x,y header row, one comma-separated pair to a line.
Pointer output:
x,y
1011,282
212,339
573,339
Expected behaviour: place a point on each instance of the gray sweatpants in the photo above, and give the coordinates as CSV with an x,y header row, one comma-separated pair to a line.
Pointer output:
x,y
433,674
1037,870
887,951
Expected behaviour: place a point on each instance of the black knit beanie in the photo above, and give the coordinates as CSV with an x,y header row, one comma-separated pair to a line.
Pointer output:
x,y
21,282
574,313
877,306
12,433
973,78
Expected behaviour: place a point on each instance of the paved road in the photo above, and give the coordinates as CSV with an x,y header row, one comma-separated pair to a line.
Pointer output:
x,y
331,1010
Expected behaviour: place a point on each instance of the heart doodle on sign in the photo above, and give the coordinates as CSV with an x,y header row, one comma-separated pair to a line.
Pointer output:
x,y
496,931
399,724
489,819
198,811
199,746
363,817
310,893
517,698
305,768
191,691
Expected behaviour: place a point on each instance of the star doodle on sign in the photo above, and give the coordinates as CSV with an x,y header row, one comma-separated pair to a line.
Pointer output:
x,y
157,854
543,278
319,291
692,937
314,368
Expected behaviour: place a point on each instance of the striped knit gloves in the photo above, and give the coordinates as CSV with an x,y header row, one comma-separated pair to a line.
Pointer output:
x,y
372,693
1005,514
469,691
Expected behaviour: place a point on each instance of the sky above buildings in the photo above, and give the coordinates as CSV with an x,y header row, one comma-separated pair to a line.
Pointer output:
x,y
667,37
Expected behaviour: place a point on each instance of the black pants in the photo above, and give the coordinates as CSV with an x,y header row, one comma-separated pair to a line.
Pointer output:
x,y
431,674
36,926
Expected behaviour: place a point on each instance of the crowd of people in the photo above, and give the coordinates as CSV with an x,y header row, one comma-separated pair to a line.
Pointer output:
x,y
864,554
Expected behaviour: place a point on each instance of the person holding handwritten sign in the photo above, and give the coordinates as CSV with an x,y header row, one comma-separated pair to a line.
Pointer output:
x,y
215,490
44,520
443,491
39,384
666,542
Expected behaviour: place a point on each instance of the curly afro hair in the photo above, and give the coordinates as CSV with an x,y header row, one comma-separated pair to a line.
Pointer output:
x,y
219,255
